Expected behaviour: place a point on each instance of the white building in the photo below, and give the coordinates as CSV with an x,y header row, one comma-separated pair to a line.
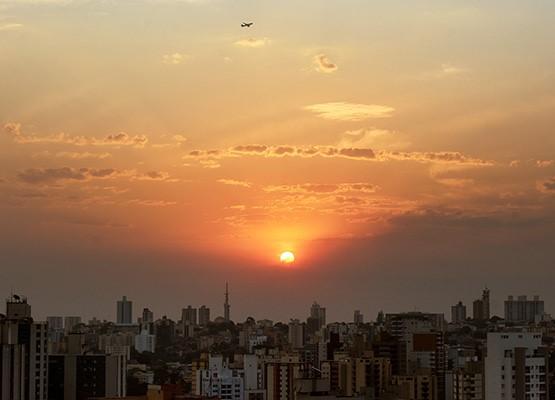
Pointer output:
x,y
220,380
145,342
515,367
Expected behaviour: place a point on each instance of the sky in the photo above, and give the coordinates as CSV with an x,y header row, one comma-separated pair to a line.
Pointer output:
x,y
403,150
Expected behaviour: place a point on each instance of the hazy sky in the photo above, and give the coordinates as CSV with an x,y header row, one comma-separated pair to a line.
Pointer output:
x,y
403,150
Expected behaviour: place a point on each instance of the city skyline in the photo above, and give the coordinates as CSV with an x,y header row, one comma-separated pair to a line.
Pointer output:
x,y
362,153
176,311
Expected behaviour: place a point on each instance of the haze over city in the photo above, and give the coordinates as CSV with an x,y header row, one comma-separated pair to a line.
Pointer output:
x,y
402,152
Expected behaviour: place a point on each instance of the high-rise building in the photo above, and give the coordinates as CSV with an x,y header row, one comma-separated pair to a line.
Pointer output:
x,y
458,313
296,334
23,353
84,376
515,366
227,306
55,323
71,323
124,312
145,342
189,316
480,307
358,317
148,316
319,312
203,315
523,310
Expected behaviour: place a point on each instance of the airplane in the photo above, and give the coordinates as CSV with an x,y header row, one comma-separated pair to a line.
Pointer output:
x,y
246,24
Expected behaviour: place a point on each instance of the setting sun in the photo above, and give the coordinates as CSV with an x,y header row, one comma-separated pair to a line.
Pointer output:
x,y
287,257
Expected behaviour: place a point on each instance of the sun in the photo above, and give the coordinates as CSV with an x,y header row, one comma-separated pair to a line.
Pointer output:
x,y
287,257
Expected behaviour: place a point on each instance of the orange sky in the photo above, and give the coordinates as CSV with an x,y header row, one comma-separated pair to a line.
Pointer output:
x,y
378,141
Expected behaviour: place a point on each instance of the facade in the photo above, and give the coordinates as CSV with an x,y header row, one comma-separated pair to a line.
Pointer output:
x,y
124,312
145,342
296,334
203,315
83,376
468,382
23,353
189,316
148,316
480,307
220,380
318,315
70,323
358,317
523,310
515,366
458,313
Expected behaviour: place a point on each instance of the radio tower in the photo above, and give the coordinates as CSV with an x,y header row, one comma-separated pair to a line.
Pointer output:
x,y
226,304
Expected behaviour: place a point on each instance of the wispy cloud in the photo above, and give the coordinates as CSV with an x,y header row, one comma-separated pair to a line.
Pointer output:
x,y
74,155
13,129
323,64
174,59
10,27
235,182
323,188
46,176
252,42
343,111
210,158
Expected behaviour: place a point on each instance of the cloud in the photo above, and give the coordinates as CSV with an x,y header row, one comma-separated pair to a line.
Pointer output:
x,y
209,158
451,70
45,176
323,64
153,176
374,138
74,155
174,59
13,129
54,175
547,186
10,27
152,203
234,182
324,188
545,163
343,111
252,42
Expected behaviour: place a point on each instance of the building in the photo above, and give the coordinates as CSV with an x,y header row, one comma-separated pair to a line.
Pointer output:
x,y
23,353
523,310
71,323
467,383
318,314
203,315
480,307
296,334
148,316
83,376
458,313
220,380
124,311
358,317
189,316
145,342
280,378
515,366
